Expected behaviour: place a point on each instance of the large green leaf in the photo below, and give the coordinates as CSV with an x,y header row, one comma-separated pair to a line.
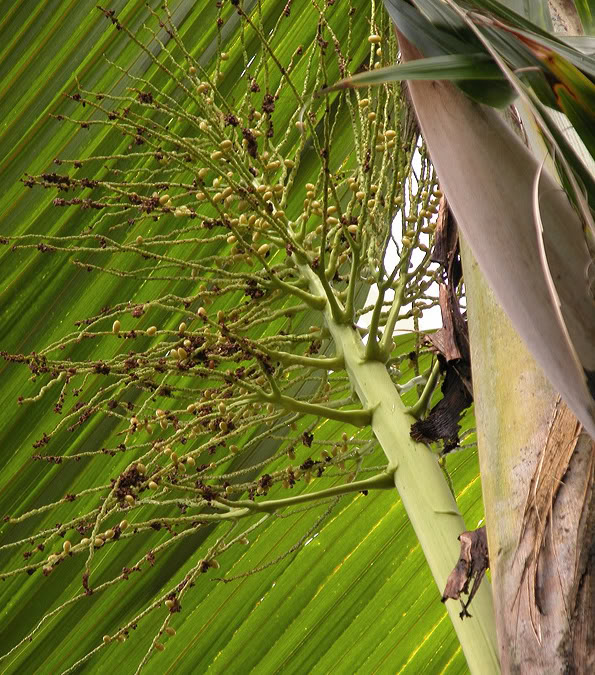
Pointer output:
x,y
585,11
357,593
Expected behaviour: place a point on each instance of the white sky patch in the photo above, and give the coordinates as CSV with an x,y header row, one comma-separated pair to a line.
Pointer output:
x,y
431,318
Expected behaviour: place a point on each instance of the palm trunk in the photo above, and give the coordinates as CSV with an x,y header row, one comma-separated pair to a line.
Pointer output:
x,y
545,612
532,455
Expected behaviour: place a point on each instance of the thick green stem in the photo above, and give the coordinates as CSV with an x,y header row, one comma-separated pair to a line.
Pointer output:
x,y
423,489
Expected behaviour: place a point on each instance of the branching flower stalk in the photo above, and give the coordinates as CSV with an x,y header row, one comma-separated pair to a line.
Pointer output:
x,y
216,387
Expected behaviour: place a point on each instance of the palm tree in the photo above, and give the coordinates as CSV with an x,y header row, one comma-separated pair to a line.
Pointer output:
x,y
217,434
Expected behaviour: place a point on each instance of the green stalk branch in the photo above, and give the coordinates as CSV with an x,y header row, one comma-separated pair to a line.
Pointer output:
x,y
329,294
382,481
380,349
359,418
423,489
353,276
313,301
289,359
373,352
393,316
423,402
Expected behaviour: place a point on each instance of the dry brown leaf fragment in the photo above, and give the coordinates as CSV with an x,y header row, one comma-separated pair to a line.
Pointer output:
x,y
471,566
